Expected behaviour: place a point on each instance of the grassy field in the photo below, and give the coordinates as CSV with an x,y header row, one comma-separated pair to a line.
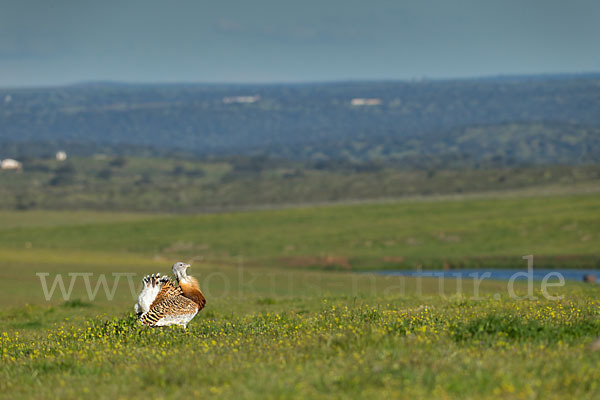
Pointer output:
x,y
560,231
279,324
176,184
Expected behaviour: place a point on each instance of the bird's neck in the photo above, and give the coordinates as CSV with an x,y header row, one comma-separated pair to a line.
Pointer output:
x,y
191,290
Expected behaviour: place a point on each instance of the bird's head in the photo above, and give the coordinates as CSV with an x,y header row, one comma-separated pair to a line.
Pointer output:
x,y
179,269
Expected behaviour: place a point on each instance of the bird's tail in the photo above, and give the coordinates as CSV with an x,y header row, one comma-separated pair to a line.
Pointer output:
x,y
151,287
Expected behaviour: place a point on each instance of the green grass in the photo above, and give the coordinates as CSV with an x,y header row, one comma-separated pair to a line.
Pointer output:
x,y
560,231
279,325
302,347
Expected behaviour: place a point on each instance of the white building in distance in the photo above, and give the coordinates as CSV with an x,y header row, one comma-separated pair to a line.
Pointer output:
x,y
359,101
241,99
10,164
61,155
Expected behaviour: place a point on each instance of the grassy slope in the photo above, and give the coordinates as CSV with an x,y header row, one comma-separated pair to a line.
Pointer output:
x,y
299,333
185,185
499,231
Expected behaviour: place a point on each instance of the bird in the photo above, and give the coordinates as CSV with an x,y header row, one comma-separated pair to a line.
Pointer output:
x,y
164,302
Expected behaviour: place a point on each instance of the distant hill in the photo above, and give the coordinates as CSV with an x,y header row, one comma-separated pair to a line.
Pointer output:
x,y
499,121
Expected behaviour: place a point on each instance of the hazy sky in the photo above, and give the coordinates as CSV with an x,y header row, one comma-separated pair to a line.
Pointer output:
x,y
52,42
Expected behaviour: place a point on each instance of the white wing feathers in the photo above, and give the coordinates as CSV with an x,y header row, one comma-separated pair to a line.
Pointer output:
x,y
152,285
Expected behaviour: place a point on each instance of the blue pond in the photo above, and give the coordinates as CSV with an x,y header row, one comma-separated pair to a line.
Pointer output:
x,y
499,274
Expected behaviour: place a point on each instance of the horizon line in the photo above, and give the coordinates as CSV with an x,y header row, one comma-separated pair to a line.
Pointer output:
x,y
421,79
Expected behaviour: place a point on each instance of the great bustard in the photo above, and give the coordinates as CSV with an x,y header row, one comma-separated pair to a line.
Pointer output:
x,y
163,302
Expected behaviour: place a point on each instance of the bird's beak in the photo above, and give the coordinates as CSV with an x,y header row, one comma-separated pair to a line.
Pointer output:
x,y
186,266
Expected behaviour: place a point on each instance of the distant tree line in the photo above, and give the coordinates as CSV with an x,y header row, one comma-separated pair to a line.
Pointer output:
x,y
535,120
